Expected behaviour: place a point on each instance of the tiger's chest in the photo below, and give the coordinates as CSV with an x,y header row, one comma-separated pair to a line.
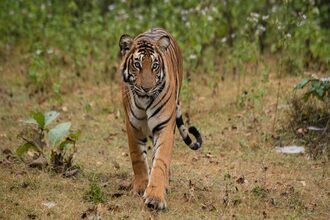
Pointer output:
x,y
138,114
142,114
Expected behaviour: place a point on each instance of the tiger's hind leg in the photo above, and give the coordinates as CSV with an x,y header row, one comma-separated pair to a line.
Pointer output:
x,y
138,153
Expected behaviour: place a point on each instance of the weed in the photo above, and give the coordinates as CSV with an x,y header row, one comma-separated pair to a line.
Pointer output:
x,y
38,74
39,138
259,191
94,193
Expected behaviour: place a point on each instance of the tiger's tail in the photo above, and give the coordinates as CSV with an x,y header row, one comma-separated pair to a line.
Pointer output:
x,y
184,133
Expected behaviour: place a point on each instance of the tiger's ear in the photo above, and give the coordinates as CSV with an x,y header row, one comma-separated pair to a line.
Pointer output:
x,y
163,43
125,44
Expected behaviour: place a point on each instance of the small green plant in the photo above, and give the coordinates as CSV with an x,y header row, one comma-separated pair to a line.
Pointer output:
x,y
318,88
39,139
259,191
38,74
95,194
251,98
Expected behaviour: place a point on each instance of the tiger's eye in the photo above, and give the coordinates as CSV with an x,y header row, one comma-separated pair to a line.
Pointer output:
x,y
155,65
137,65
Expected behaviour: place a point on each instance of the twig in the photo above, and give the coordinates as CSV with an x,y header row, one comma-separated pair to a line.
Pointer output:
x,y
325,129
277,98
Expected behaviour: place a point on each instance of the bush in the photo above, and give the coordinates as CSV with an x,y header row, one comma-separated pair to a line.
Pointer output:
x,y
84,34
310,116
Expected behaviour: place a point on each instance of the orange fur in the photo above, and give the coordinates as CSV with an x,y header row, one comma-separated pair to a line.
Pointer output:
x,y
158,119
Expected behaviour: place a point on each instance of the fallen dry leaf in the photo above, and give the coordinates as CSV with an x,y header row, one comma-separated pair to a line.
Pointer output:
x,y
40,162
208,207
64,108
302,131
240,180
126,186
7,151
115,164
70,173
195,159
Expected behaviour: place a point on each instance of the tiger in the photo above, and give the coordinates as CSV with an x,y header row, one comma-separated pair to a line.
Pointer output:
x,y
152,72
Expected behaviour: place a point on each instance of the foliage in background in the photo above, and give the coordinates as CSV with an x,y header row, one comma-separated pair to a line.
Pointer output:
x,y
39,139
83,35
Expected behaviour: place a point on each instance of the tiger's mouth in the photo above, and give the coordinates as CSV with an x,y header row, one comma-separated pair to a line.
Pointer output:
x,y
152,93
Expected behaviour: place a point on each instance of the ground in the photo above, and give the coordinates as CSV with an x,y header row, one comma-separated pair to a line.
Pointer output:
x,y
235,175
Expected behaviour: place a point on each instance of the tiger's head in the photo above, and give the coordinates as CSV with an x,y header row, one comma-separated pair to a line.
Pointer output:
x,y
143,67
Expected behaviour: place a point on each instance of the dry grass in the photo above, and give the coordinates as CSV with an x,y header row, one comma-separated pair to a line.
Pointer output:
x,y
236,174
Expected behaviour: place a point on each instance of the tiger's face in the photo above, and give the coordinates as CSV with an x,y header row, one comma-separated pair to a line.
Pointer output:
x,y
143,67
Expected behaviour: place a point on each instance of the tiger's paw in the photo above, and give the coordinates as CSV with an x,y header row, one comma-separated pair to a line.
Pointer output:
x,y
154,199
139,186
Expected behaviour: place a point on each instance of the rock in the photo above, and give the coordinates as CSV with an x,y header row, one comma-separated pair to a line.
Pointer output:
x,y
290,149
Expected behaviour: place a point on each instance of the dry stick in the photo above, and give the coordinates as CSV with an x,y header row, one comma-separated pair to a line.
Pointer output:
x,y
277,98
239,81
325,129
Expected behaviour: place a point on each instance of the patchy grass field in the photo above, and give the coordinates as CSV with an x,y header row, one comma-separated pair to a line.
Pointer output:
x,y
236,175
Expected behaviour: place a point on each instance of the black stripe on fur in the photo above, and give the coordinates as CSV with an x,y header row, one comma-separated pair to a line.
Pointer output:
x,y
192,130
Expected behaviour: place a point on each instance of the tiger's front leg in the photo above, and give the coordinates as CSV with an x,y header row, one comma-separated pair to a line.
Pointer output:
x,y
162,155
137,149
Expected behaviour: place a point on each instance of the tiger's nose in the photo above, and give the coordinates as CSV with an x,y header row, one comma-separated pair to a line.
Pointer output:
x,y
146,89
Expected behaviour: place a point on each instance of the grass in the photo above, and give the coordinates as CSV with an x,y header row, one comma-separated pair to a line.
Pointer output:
x,y
236,174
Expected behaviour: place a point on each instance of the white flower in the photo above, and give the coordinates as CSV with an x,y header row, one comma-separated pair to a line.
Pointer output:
x,y
223,40
209,18
274,8
255,15
262,28
192,57
50,51
288,35
38,52
111,7
279,27
265,17
214,9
